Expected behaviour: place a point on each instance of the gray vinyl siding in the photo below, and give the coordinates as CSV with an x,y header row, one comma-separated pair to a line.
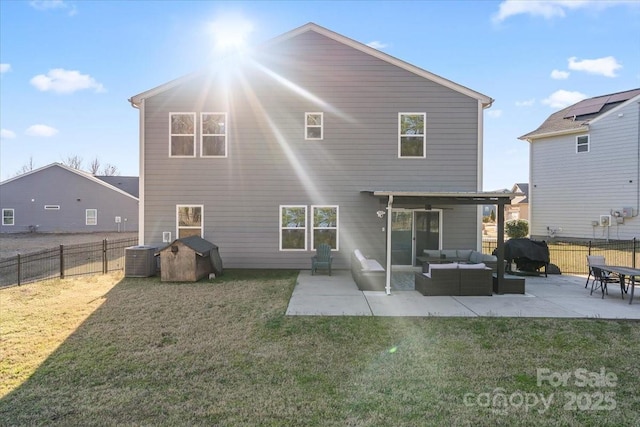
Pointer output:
x,y
28,195
569,190
271,164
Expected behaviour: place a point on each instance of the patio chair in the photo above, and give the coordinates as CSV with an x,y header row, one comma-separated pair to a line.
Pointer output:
x,y
591,260
322,258
602,278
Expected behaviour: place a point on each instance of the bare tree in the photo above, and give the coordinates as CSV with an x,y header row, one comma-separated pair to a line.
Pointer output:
x,y
74,162
27,167
110,170
94,167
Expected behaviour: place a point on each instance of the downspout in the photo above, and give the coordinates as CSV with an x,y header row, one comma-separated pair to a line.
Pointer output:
x,y
140,108
480,166
388,275
638,168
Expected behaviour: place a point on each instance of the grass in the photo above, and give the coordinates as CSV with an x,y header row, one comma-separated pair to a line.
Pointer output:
x,y
113,351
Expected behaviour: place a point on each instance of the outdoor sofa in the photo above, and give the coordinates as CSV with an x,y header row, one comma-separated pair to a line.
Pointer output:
x,y
469,256
454,279
368,273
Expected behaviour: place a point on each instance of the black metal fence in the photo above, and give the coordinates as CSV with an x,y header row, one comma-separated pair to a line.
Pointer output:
x,y
65,261
571,257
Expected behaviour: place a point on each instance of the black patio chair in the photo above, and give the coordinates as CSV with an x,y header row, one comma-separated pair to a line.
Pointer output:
x,y
601,279
322,258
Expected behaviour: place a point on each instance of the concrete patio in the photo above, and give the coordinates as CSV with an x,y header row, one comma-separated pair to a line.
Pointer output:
x,y
553,296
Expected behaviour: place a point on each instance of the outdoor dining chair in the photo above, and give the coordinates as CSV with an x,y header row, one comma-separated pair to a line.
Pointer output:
x,y
322,258
593,260
601,279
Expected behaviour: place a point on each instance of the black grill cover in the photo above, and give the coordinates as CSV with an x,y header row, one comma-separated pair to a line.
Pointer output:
x,y
529,255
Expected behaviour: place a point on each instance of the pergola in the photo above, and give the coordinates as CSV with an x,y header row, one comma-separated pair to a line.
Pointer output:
x,y
450,198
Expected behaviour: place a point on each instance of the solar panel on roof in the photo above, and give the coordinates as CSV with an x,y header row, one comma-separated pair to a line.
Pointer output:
x,y
624,96
588,106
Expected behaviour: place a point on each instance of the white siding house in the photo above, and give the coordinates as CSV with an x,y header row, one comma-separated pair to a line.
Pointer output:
x,y
585,170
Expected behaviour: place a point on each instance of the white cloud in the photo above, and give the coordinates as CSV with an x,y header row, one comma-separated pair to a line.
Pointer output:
x,y
494,114
606,66
526,103
54,5
377,44
7,134
41,130
563,98
65,81
5,68
560,75
549,9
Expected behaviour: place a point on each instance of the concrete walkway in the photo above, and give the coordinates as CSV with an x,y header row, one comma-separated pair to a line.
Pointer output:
x,y
553,296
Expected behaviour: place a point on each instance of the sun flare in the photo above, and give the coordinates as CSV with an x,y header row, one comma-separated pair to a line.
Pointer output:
x,y
230,32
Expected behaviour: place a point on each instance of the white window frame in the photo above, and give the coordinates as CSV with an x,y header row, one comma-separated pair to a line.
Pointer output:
x,y
13,217
225,134
51,207
314,228
401,135
587,144
307,126
193,135
305,228
178,227
87,217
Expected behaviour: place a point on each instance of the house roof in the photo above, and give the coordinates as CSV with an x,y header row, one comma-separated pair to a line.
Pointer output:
x,y
80,173
522,188
484,99
196,243
128,184
577,117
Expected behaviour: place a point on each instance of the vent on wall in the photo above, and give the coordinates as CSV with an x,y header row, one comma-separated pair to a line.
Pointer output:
x,y
605,220
166,237
140,261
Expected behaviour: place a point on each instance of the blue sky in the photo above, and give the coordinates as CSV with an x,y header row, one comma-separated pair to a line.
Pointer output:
x,y
69,67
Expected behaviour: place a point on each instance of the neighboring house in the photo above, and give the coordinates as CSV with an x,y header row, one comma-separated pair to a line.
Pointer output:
x,y
60,199
313,138
519,207
585,170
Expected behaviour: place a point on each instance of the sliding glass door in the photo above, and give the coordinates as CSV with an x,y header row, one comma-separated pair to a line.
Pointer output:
x,y
413,231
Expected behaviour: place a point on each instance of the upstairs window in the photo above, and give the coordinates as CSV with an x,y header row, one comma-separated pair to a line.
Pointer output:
x,y
313,126
293,228
325,226
8,217
411,138
582,144
91,217
213,141
182,141
189,220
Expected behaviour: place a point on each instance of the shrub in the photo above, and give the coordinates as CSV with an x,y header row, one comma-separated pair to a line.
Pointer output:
x,y
516,228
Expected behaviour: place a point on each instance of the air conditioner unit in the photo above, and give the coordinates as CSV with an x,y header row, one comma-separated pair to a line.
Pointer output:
x,y
605,220
139,261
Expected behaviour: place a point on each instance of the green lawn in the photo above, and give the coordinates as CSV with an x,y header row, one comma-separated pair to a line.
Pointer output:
x,y
113,351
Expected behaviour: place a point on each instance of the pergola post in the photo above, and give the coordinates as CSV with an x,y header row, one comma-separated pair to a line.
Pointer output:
x,y
500,244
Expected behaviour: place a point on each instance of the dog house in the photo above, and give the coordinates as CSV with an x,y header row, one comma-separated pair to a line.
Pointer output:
x,y
189,259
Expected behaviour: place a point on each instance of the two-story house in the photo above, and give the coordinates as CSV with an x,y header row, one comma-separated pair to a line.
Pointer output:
x,y
311,138
585,170
60,199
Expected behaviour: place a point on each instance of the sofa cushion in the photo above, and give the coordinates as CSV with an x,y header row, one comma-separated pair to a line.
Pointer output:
x,y
475,257
478,266
447,266
432,253
486,257
358,255
464,253
371,265
449,253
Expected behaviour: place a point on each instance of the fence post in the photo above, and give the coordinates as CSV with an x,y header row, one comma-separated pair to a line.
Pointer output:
x,y
589,247
19,270
62,261
105,267
633,262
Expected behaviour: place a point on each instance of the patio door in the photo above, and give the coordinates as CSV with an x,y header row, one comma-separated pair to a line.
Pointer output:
x,y
412,231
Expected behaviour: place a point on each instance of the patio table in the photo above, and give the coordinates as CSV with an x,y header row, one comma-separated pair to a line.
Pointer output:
x,y
623,272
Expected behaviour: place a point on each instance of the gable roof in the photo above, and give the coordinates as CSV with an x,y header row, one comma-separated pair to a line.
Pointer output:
x,y
577,117
80,173
523,189
128,184
484,99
